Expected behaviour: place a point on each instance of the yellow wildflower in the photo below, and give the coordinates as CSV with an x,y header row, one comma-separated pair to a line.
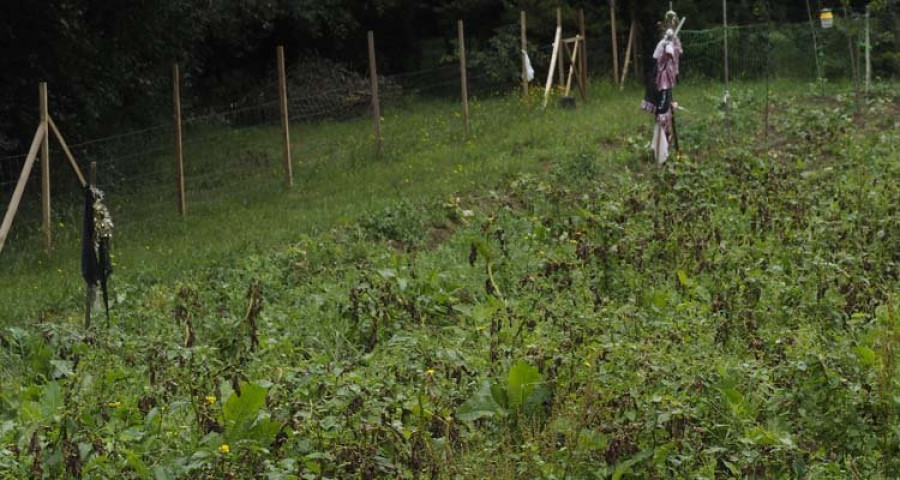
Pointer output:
x,y
211,399
430,371
114,404
224,448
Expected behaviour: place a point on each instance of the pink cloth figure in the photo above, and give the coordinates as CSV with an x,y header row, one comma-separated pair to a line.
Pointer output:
x,y
668,56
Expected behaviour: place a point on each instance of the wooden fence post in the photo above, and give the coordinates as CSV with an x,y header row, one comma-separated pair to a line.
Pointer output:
x,y
462,73
524,55
615,40
45,167
627,54
179,149
285,119
91,292
583,32
559,64
376,107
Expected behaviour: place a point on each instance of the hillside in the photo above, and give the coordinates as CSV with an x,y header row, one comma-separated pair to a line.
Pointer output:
x,y
538,301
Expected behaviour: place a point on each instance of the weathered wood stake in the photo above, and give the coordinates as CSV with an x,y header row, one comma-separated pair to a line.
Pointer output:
x,y
45,168
376,108
615,40
285,119
462,73
582,30
560,67
627,55
91,292
524,40
20,186
179,148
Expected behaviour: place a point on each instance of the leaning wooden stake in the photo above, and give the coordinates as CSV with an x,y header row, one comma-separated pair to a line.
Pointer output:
x,y
285,120
462,73
524,41
45,168
627,55
572,68
65,147
615,40
179,148
556,46
20,186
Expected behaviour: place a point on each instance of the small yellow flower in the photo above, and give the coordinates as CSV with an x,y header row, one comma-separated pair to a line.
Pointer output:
x,y
211,399
224,448
430,371
114,404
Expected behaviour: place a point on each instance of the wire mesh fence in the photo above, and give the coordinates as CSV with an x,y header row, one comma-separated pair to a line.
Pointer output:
x,y
222,140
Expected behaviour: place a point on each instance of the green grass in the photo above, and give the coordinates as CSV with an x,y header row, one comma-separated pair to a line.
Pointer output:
x,y
573,311
338,178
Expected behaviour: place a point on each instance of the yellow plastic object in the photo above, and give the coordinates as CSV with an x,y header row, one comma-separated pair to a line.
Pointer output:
x,y
827,18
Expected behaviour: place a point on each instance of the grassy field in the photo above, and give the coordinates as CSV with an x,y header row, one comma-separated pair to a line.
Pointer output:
x,y
538,301
338,179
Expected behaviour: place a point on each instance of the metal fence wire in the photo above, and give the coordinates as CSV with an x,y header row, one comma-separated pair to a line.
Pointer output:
x,y
142,160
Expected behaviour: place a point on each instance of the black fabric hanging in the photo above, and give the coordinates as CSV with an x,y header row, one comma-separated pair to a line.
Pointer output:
x,y
96,266
89,265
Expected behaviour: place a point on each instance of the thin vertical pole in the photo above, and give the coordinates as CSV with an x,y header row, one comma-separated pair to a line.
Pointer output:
x,y
615,40
725,24
868,52
627,55
91,293
179,148
376,108
812,27
45,167
285,119
560,60
524,54
583,32
727,80
854,53
462,73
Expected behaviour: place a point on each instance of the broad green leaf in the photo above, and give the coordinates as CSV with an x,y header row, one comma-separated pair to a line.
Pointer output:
x,y
500,395
521,382
480,405
239,409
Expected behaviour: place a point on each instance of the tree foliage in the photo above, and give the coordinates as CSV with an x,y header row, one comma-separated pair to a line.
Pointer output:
x,y
109,63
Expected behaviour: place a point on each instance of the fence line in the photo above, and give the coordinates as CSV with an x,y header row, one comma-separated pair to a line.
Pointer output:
x,y
125,158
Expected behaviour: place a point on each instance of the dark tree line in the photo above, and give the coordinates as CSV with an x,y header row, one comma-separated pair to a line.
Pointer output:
x,y
108,63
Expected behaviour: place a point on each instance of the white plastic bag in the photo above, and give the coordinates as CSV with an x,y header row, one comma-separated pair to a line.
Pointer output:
x,y
529,70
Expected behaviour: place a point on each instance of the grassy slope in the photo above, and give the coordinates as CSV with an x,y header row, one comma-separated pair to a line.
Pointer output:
x,y
712,323
337,180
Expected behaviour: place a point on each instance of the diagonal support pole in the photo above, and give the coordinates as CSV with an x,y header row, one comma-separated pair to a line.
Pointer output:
x,y
39,137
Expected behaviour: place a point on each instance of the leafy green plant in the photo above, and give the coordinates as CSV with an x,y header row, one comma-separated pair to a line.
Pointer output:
x,y
522,392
